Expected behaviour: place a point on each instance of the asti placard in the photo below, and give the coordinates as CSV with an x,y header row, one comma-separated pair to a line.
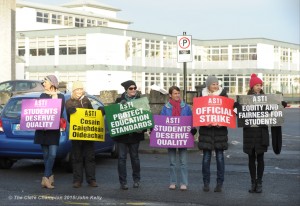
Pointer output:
x,y
257,110
172,132
40,114
130,117
87,124
213,111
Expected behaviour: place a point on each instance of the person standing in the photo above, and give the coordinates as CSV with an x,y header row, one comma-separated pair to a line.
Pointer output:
x,y
213,138
83,151
176,107
255,142
49,139
129,142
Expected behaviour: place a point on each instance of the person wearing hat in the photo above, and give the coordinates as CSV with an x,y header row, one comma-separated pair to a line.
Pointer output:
x,y
256,141
49,139
129,142
213,138
83,153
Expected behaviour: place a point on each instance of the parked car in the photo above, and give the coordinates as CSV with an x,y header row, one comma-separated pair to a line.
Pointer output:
x,y
16,144
21,86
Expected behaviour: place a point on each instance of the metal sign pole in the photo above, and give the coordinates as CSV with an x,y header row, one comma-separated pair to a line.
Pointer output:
x,y
184,77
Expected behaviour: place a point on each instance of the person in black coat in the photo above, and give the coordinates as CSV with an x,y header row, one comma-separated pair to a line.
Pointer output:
x,y
213,138
49,139
129,142
83,151
256,142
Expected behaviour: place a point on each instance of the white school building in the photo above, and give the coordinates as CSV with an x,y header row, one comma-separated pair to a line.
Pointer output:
x,y
86,41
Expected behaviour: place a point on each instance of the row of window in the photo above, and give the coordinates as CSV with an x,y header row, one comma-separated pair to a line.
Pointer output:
x,y
72,45
67,20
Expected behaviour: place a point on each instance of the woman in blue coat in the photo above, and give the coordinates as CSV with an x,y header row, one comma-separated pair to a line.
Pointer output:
x,y
176,107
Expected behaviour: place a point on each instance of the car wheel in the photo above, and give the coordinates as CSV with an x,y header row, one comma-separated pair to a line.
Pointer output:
x,y
6,163
115,152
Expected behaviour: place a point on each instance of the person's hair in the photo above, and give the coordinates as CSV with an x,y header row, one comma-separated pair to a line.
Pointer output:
x,y
251,91
172,88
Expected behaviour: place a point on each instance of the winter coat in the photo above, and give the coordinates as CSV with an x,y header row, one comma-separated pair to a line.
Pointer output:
x,y
256,138
211,138
49,137
83,102
185,109
134,137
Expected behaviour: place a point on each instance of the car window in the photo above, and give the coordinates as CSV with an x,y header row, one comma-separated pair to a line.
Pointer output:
x,y
6,86
13,109
22,86
95,103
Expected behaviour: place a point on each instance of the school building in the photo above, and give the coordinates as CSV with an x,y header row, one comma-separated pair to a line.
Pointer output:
x,y
86,41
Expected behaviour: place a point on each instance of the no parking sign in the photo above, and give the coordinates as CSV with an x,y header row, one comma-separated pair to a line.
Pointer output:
x,y
184,49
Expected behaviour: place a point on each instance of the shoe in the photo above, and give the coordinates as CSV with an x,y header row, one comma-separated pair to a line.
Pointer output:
x,y
77,184
183,187
253,186
136,184
258,186
172,187
93,184
218,188
51,180
46,183
124,187
206,187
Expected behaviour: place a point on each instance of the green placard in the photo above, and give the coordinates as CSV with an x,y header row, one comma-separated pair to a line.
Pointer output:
x,y
129,117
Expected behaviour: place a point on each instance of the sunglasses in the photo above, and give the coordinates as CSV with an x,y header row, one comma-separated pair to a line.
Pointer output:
x,y
132,88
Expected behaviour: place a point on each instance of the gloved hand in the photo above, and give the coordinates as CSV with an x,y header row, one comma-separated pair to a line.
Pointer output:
x,y
71,110
102,110
236,104
194,131
284,104
123,101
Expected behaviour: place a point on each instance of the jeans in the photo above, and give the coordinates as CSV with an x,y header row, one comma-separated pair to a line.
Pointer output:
x,y
49,154
256,171
206,166
183,165
83,158
135,161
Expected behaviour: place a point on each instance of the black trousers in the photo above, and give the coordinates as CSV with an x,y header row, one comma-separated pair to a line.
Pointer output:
x,y
83,158
256,165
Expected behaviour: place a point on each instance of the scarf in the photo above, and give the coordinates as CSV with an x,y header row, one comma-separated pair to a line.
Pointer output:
x,y
176,111
53,94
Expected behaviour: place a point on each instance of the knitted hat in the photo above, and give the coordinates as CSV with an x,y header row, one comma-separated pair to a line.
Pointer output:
x,y
210,80
53,80
77,85
127,84
255,80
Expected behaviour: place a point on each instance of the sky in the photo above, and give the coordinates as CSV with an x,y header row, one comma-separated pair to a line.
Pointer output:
x,y
210,19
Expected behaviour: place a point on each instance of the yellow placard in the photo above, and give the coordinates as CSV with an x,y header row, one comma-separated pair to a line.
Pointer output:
x,y
87,124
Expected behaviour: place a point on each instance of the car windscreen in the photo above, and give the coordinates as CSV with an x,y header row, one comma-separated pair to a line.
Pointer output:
x,y
12,109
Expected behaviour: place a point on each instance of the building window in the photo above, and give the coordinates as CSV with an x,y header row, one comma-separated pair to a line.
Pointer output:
x,y
79,22
136,47
68,20
152,48
63,46
169,49
90,22
81,45
56,19
42,17
21,47
32,47
244,52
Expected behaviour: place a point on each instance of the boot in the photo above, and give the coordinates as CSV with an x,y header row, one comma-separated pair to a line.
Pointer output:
x,y
51,180
258,186
46,183
253,186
